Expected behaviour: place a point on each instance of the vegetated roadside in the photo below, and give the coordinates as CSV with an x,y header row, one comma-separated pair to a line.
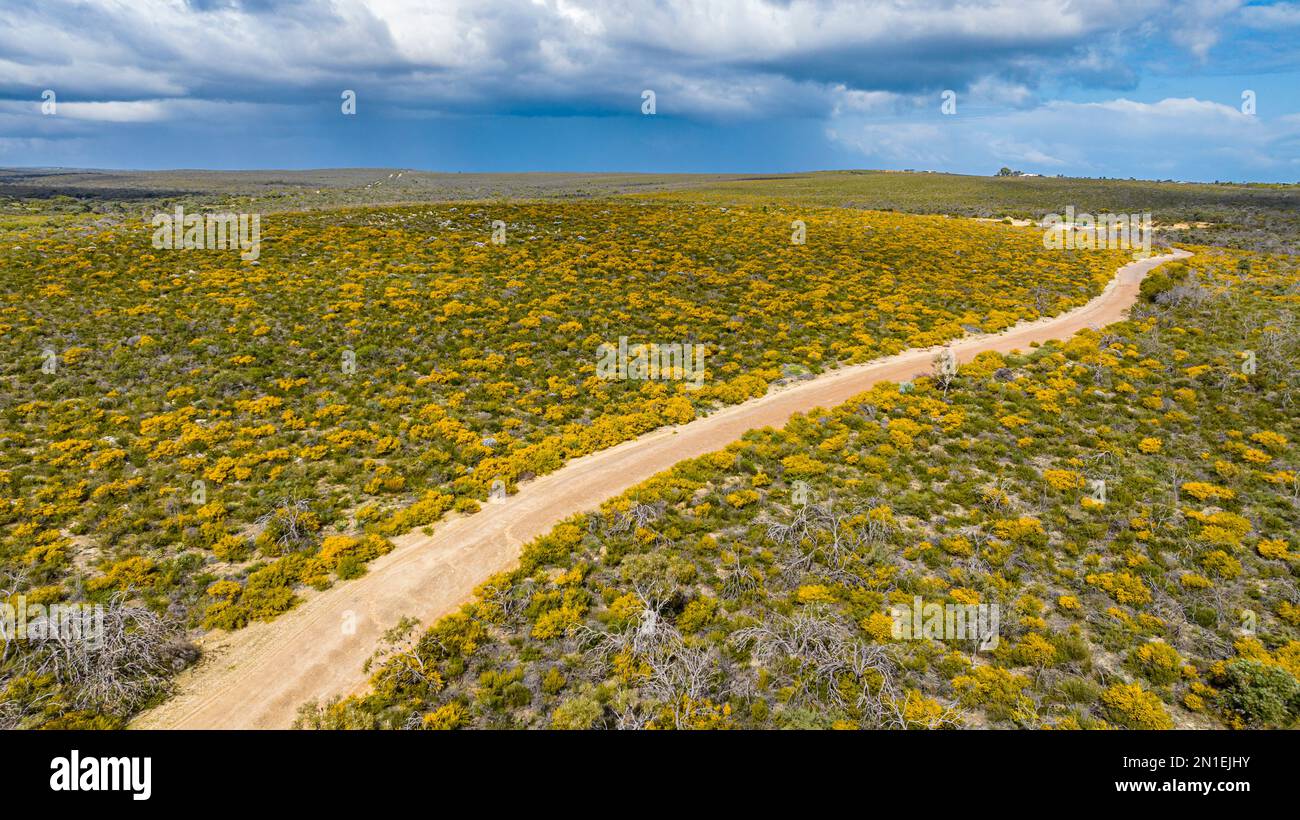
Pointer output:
x,y
257,678
1258,217
1127,498
213,437
1261,217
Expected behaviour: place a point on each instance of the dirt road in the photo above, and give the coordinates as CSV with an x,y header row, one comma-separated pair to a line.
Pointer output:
x,y
257,677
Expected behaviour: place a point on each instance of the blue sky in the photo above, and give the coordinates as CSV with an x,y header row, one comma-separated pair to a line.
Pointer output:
x,y
1141,88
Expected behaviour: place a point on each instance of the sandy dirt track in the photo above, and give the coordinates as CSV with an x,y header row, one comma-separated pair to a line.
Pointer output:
x,y
259,676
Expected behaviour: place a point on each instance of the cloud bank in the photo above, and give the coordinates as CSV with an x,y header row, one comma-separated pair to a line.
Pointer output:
x,y
1035,81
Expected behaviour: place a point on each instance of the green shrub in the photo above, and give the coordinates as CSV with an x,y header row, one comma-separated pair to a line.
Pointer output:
x,y
1261,695
579,712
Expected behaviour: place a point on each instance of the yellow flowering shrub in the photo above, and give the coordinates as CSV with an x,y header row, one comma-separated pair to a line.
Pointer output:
x,y
1132,707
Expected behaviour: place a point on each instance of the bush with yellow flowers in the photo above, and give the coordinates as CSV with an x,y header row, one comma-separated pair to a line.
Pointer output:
x,y
266,426
1133,707
766,596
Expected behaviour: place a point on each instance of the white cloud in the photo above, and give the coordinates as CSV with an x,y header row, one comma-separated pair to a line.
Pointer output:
x,y
1108,138
991,90
586,54
1197,23
1278,15
849,101
141,111
920,145
871,72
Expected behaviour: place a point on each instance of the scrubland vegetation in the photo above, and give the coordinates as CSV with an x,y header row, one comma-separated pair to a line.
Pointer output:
x,y
194,441
210,436
1129,498
1261,217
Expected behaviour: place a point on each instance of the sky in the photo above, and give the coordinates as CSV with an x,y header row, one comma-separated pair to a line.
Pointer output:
x,y
1198,90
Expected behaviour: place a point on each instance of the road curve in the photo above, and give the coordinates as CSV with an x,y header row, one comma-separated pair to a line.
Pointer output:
x,y
257,677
